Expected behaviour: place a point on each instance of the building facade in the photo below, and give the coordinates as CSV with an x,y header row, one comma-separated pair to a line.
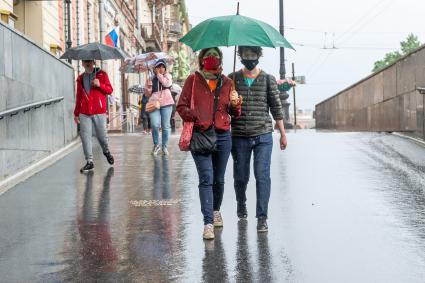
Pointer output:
x,y
143,25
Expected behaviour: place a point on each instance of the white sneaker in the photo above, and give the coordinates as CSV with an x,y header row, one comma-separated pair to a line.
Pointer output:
x,y
156,149
165,151
218,220
208,232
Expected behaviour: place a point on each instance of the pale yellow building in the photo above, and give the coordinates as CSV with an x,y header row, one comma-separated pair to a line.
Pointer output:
x,y
144,25
6,12
6,5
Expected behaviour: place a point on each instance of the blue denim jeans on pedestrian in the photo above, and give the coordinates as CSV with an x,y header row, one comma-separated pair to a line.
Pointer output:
x,y
211,169
242,149
161,118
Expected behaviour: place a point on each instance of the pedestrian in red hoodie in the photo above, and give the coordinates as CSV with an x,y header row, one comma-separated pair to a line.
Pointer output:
x,y
214,105
93,87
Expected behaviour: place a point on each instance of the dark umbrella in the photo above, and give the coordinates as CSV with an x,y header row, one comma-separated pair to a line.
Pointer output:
x,y
93,51
137,89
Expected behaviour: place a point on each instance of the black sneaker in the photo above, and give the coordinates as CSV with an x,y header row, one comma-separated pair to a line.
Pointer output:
x,y
87,168
262,225
242,212
109,157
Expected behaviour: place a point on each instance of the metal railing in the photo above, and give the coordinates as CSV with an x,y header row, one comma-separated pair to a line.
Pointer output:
x,y
127,117
28,107
421,90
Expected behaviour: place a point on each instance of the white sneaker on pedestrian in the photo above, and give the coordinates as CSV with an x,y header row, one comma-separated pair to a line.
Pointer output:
x,y
165,151
156,149
208,232
218,220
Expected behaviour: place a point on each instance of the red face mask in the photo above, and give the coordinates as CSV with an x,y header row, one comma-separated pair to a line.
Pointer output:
x,y
211,63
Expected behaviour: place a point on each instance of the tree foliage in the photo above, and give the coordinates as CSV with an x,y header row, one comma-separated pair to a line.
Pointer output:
x,y
411,43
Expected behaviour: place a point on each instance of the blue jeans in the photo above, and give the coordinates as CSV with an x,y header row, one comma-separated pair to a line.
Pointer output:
x,y
242,149
211,169
161,118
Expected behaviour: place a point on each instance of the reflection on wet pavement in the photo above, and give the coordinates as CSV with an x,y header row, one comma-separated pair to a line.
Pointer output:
x,y
345,207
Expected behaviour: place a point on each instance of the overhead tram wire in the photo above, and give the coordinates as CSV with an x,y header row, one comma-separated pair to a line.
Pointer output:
x,y
361,18
315,46
367,22
364,22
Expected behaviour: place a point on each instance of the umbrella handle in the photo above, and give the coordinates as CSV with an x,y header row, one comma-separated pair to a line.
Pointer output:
x,y
234,57
234,69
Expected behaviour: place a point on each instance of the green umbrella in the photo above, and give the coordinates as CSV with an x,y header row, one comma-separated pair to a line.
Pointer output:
x,y
235,30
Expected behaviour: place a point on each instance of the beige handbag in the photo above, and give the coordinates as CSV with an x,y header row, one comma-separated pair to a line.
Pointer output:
x,y
151,106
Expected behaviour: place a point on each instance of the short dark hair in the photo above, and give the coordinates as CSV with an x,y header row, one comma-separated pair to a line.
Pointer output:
x,y
86,61
256,49
204,51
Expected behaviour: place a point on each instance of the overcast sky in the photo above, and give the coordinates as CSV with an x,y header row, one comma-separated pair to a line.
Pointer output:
x,y
362,31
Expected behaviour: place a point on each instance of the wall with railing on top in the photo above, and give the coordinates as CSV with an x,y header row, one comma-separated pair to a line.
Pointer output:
x,y
388,100
36,102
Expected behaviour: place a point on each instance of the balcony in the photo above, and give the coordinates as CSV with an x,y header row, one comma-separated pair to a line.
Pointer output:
x,y
162,2
152,36
176,28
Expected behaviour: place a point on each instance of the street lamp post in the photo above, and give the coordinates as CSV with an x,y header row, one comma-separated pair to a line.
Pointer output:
x,y
283,94
68,23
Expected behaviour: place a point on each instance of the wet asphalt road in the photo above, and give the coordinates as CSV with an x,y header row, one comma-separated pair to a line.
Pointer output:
x,y
345,207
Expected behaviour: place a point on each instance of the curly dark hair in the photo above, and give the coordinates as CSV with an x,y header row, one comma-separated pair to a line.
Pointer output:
x,y
204,51
256,49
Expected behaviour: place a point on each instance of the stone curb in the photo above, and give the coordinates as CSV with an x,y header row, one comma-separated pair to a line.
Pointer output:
x,y
22,175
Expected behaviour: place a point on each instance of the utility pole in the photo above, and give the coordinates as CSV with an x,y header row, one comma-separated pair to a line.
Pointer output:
x,y
68,23
102,25
283,94
293,90
282,32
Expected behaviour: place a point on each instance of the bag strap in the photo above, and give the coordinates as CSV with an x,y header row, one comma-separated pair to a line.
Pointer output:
x,y
268,90
192,102
216,97
268,83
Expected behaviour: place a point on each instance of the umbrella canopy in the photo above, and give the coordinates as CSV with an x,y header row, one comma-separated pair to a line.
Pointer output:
x,y
93,51
137,89
235,30
176,89
149,59
144,62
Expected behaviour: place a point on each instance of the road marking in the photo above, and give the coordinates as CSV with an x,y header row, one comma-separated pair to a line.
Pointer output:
x,y
154,202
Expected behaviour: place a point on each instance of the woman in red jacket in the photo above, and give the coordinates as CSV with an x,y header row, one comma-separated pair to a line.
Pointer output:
x,y
211,167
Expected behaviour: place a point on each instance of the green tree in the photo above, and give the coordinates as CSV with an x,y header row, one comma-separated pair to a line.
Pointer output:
x,y
411,43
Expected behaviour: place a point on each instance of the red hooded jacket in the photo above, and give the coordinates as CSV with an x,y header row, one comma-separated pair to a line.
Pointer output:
x,y
204,103
94,102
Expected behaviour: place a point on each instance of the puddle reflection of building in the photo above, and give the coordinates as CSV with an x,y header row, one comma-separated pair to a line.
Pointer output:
x,y
243,257
214,266
153,247
162,187
97,250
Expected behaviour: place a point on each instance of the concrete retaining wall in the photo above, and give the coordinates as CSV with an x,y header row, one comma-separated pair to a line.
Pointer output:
x,y
384,101
30,74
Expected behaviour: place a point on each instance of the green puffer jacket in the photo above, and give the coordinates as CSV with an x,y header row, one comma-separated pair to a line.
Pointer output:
x,y
258,101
